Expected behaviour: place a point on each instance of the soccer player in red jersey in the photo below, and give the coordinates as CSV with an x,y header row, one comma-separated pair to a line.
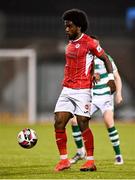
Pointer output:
x,y
75,97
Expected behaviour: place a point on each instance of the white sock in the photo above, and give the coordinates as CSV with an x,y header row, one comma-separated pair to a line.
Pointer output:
x,y
64,156
90,158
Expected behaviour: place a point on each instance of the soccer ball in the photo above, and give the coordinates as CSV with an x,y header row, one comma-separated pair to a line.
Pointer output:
x,y
27,138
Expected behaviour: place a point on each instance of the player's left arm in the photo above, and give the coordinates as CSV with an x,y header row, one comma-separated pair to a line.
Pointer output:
x,y
118,83
100,53
109,69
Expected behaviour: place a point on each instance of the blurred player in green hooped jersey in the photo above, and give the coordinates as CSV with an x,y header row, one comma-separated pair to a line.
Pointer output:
x,y
102,100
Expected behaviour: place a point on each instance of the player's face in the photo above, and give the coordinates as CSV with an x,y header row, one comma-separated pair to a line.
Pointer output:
x,y
72,31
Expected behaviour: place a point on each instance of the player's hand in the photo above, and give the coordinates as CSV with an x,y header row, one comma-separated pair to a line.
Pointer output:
x,y
118,98
111,83
96,78
112,86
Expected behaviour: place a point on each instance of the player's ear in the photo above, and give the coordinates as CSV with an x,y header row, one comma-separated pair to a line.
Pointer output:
x,y
79,29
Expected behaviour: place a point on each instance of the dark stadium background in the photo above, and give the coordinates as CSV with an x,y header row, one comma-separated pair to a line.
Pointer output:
x,y
37,24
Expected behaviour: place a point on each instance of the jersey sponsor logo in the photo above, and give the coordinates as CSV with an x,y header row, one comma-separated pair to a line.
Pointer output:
x,y
71,54
99,49
77,46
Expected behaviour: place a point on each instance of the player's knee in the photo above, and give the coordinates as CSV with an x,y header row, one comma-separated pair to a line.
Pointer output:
x,y
83,123
59,123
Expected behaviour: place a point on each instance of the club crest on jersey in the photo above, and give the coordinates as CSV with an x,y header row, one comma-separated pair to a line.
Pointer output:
x,y
99,49
87,108
77,46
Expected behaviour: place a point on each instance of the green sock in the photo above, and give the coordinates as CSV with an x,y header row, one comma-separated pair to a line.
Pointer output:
x,y
114,138
77,135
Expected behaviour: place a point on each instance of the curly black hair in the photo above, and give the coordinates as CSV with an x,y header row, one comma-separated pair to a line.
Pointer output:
x,y
78,17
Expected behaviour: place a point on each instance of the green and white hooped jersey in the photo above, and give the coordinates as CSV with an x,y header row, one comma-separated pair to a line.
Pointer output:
x,y
101,88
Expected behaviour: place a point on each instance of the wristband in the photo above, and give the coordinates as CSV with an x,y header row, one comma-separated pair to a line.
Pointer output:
x,y
111,76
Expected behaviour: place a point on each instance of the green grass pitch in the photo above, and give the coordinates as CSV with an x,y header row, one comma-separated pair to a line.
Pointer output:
x,y
39,162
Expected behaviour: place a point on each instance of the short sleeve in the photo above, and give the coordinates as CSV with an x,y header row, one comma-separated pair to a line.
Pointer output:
x,y
95,48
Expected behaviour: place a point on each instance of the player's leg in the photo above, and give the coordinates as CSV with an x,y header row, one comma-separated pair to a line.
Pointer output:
x,y
77,135
61,119
108,116
63,112
82,99
88,140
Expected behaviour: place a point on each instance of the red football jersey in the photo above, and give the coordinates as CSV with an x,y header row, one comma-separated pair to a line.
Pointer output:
x,y
79,62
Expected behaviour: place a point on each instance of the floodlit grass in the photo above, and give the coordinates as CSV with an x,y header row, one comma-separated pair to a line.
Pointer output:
x,y
39,162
